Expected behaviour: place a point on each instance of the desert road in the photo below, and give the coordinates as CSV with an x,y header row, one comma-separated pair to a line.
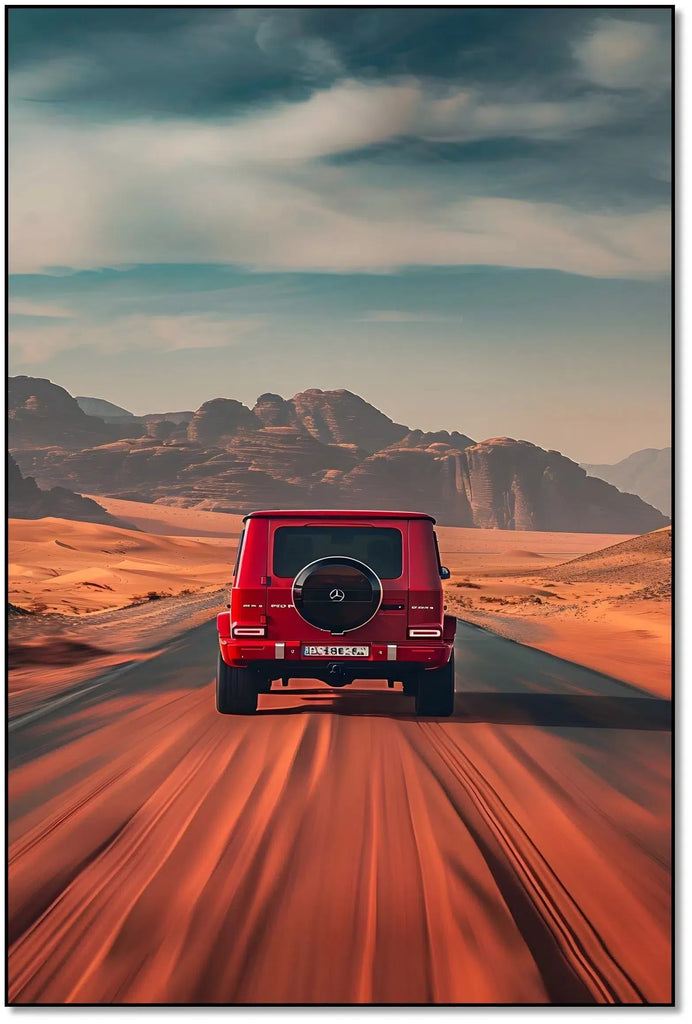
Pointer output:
x,y
334,849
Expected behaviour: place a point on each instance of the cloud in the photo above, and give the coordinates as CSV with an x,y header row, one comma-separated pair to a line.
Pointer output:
x,y
29,308
399,316
34,344
184,60
281,34
352,115
256,190
467,116
42,79
625,55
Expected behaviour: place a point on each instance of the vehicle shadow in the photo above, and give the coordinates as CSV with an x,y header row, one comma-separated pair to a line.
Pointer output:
x,y
588,711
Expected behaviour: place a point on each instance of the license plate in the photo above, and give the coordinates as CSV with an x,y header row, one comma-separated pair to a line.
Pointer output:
x,y
323,651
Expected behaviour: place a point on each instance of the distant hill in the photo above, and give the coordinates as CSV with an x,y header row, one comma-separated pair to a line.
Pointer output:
x,y
646,473
321,449
27,501
106,410
184,416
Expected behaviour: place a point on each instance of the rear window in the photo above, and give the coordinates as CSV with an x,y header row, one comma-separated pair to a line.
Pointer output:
x,y
377,546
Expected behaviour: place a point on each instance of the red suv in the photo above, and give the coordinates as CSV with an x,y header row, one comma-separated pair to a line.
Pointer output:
x,y
337,596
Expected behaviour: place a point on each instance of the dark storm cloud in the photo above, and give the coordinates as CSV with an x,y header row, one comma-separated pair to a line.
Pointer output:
x,y
614,168
206,61
251,184
257,136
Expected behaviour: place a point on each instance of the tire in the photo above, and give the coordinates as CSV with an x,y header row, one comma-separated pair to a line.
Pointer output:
x,y
236,690
337,594
435,696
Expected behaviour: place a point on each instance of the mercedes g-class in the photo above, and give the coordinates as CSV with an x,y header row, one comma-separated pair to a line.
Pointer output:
x,y
337,596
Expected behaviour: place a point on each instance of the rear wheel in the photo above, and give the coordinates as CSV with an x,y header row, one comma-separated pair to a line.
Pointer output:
x,y
435,693
236,690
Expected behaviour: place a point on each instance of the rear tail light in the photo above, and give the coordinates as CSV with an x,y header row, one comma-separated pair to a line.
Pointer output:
x,y
249,630
424,632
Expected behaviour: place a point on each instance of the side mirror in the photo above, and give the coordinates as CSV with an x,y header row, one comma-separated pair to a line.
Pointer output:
x,y
445,574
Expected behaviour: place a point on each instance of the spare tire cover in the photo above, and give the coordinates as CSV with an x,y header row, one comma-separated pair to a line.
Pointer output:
x,y
337,594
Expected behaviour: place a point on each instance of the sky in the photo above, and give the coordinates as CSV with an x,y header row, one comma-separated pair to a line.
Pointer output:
x,y
462,215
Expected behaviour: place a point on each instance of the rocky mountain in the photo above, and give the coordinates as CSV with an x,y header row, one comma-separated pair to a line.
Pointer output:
x,y
517,485
40,413
332,417
423,439
27,501
647,473
331,449
497,484
177,418
219,420
154,424
106,411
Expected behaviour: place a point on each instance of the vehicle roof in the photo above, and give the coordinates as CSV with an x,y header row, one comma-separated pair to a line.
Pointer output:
x,y
334,513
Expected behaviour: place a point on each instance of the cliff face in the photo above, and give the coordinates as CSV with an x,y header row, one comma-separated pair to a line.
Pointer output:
x,y
39,413
420,479
514,485
340,417
274,411
332,417
27,501
219,419
424,439
498,484
321,449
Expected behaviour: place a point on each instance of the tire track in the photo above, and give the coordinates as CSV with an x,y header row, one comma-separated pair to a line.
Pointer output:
x,y
90,909
331,849
596,975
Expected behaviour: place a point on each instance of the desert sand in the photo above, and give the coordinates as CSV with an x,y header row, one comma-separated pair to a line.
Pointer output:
x,y
333,848
72,568
172,521
521,847
75,568
503,580
608,609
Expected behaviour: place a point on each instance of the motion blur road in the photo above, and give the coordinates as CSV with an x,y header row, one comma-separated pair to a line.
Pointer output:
x,y
334,849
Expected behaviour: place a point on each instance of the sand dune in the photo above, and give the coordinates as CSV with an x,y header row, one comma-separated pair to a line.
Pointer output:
x,y
598,610
74,568
609,609
644,560
497,551
174,522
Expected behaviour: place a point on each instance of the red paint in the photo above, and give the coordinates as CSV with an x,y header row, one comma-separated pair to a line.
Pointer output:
x,y
344,516
260,597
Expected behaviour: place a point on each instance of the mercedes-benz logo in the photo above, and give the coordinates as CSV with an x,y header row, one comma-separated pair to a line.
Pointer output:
x,y
336,594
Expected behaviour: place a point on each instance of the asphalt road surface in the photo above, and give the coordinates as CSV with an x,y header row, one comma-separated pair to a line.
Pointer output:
x,y
334,848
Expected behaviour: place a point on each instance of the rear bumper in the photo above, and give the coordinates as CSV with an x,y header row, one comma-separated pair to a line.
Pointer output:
x,y
387,658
